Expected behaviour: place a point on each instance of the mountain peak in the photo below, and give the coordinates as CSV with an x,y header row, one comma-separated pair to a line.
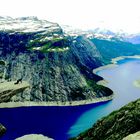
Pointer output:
x,y
25,24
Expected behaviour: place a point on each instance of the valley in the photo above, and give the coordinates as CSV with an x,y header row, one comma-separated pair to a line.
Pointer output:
x,y
55,78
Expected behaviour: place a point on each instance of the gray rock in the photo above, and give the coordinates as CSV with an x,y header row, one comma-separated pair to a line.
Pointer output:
x,y
58,67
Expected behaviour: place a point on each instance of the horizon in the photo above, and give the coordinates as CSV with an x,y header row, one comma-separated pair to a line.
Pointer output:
x,y
115,15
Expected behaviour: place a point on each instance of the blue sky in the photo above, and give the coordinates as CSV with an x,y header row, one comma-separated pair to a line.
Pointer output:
x,y
112,14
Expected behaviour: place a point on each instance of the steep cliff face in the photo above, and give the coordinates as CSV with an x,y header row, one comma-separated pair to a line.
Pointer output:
x,y
115,126
58,67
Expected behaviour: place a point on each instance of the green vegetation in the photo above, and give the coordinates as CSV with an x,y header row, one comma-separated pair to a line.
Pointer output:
x,y
44,44
98,88
115,126
112,49
56,39
55,49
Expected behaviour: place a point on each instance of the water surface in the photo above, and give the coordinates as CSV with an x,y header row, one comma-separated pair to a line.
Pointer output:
x,y
61,123
120,80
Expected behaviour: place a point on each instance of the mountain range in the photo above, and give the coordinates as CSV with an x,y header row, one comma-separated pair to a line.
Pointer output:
x,y
57,66
56,63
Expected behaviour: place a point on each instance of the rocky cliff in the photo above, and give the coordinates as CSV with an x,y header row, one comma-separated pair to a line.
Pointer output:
x,y
9,89
115,126
57,66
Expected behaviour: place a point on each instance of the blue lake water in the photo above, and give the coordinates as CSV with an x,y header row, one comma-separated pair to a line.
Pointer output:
x,y
61,123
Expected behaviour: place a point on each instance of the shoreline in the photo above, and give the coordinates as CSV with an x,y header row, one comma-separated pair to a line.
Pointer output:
x,y
73,103
114,62
95,71
103,83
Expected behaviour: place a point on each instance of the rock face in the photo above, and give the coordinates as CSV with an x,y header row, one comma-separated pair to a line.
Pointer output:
x,y
135,136
115,126
57,66
2,130
9,89
34,137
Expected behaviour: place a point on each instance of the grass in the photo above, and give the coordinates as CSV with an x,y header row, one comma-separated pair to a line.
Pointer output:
x,y
45,46
55,49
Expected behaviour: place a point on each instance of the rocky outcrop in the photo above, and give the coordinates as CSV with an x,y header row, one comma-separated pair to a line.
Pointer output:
x,y
9,89
135,136
57,66
34,137
115,126
2,130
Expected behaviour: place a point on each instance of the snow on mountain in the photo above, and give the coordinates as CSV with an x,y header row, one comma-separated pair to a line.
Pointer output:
x,y
102,33
25,24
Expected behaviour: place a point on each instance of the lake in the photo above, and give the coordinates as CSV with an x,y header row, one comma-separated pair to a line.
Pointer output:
x,y
120,80
62,123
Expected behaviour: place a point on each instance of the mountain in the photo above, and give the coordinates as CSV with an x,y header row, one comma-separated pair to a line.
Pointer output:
x,y
113,44
133,38
115,126
114,48
110,44
103,31
57,66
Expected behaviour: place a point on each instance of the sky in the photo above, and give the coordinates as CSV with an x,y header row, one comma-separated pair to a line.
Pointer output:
x,y
86,14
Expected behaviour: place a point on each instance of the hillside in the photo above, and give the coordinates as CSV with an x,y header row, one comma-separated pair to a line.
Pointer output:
x,y
115,126
114,48
57,66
